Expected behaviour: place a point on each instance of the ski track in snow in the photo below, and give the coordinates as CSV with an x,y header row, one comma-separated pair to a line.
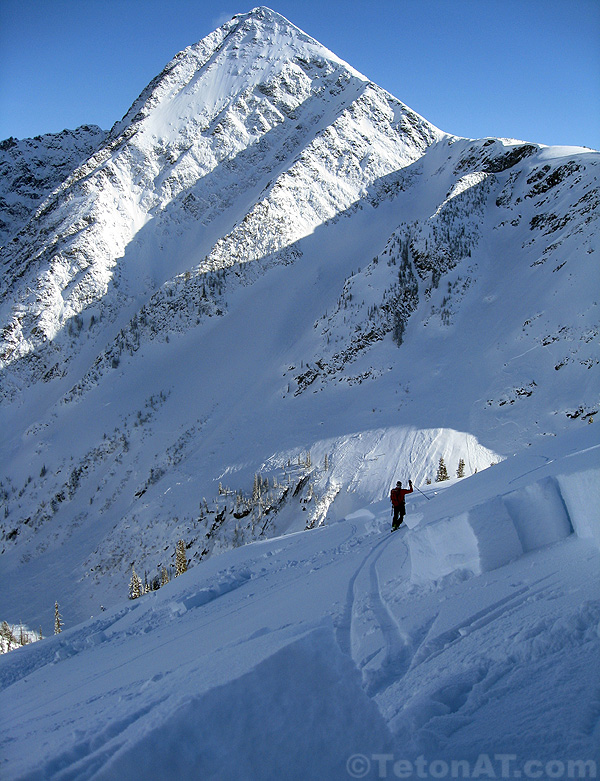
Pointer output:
x,y
396,644
366,606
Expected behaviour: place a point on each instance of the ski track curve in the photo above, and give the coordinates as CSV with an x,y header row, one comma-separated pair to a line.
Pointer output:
x,y
396,643
389,655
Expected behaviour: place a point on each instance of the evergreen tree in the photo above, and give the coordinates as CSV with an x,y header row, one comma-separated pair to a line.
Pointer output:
x,y
442,473
180,559
6,636
58,622
398,327
135,585
460,472
164,576
256,488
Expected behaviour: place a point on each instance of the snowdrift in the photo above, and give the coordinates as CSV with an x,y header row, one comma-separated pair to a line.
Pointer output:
x,y
562,500
265,724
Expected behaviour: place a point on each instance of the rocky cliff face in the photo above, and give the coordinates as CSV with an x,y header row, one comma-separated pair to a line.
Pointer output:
x,y
31,168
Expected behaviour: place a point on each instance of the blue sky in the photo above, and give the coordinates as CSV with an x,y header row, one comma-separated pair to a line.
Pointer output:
x,y
527,69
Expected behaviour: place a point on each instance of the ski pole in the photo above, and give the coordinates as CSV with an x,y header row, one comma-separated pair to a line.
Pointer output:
x,y
422,494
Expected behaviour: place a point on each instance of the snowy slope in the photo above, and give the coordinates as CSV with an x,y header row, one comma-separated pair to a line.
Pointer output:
x,y
464,646
271,257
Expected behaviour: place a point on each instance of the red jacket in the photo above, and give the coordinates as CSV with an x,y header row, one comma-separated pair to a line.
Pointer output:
x,y
397,495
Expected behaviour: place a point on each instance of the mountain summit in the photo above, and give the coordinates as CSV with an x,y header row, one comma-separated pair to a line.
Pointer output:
x,y
241,122
268,292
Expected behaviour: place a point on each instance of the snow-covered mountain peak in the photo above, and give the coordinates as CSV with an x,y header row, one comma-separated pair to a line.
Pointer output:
x,y
273,272
30,169
276,27
245,52
234,125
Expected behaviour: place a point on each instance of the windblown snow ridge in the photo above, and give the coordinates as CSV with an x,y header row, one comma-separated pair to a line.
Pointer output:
x,y
489,535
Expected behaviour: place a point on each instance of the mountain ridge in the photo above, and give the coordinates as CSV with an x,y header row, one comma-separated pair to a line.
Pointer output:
x,y
109,175
31,168
271,256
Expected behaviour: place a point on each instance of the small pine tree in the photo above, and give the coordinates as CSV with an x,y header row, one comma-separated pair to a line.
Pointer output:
x,y
135,585
326,463
256,488
180,559
58,622
164,577
442,473
460,472
6,636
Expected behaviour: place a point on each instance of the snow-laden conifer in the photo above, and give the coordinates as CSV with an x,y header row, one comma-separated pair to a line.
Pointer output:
x,y
7,638
442,473
180,559
58,622
135,585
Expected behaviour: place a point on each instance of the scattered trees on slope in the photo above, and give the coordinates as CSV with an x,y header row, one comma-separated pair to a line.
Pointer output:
x,y
15,636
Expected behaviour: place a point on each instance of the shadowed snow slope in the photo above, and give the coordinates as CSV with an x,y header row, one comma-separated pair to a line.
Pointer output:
x,y
289,657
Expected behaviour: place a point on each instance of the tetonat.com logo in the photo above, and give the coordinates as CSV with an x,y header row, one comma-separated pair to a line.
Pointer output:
x,y
485,766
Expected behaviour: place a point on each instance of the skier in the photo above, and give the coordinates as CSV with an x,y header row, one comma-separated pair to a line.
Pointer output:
x,y
397,495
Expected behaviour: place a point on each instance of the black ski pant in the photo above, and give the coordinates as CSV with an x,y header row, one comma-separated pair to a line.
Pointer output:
x,y
399,513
